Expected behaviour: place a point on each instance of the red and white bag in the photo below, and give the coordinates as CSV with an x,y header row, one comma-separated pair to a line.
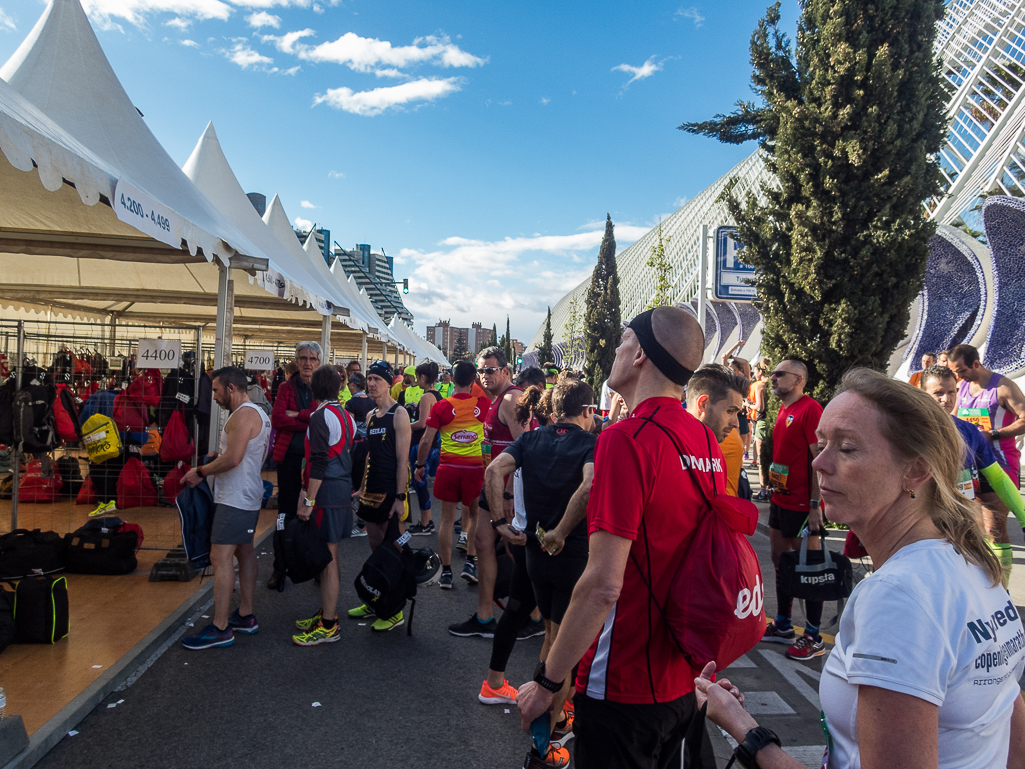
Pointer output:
x,y
135,486
176,445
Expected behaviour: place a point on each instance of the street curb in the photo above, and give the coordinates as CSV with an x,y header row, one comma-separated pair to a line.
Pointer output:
x,y
54,730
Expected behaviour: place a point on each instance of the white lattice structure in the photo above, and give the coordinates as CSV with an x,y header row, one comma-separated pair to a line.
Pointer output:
x,y
981,48
681,230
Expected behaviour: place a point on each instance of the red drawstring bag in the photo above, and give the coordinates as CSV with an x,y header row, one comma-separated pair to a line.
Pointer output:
x,y
146,387
172,481
86,494
36,487
130,414
135,487
715,608
176,445
65,415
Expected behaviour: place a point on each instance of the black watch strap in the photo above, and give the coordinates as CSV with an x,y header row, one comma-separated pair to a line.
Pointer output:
x,y
507,495
495,523
745,753
544,681
401,497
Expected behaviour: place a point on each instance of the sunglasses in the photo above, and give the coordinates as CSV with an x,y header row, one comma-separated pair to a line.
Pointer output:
x,y
779,374
488,370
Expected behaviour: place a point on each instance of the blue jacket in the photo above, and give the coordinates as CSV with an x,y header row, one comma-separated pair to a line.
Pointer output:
x,y
196,509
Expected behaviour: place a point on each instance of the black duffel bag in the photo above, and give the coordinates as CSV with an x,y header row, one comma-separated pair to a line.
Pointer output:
x,y
816,575
24,552
305,551
6,617
101,549
41,610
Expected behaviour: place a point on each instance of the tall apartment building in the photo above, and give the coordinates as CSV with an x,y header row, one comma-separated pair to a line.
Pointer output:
x,y
448,338
322,236
375,274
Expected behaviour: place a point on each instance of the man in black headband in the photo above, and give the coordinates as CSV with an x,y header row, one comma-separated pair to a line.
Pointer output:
x,y
634,690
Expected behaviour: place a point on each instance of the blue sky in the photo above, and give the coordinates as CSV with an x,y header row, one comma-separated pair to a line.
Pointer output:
x,y
480,143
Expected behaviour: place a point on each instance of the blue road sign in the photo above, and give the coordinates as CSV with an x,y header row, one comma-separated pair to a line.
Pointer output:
x,y
731,274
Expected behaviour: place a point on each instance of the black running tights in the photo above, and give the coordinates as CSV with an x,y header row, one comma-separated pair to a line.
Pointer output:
x,y
521,603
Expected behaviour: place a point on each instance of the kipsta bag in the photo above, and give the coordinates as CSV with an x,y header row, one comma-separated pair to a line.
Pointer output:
x,y
816,575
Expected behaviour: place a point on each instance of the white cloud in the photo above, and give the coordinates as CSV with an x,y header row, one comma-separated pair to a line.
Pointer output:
x,y
369,103
189,43
263,19
103,12
246,57
6,22
302,224
308,204
291,70
689,13
286,43
364,54
335,175
390,73
178,23
646,70
545,100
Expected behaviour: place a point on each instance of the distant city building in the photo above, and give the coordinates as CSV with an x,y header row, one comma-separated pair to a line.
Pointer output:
x,y
323,238
259,201
449,338
375,274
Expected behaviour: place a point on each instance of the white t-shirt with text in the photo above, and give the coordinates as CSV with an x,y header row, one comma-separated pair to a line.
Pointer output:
x,y
929,624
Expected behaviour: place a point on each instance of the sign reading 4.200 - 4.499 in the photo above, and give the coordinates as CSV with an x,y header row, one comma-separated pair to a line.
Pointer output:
x,y
135,207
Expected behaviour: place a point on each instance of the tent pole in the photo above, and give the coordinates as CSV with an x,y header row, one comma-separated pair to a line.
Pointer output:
x,y
325,339
197,372
113,334
20,362
363,354
222,344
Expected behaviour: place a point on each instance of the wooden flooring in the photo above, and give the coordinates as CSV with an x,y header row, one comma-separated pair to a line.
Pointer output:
x,y
109,615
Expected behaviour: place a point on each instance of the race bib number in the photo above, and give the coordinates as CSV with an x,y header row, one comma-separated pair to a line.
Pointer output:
x,y
978,417
778,475
966,484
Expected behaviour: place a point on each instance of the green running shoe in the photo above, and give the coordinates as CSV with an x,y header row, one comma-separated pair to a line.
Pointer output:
x,y
384,625
360,612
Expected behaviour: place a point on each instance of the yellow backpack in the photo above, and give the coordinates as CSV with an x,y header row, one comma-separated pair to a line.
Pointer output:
x,y
101,437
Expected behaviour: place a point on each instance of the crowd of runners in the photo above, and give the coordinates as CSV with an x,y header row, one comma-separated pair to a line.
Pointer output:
x,y
578,507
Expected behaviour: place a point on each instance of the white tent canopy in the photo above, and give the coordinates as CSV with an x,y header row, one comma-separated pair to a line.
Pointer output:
x,y
420,347
61,69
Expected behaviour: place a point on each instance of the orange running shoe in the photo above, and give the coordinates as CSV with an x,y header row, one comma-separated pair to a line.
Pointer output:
x,y
505,694
556,756
563,731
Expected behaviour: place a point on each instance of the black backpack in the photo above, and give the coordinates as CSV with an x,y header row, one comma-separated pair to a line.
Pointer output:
x,y
71,475
305,552
7,412
6,617
24,552
33,418
41,610
390,575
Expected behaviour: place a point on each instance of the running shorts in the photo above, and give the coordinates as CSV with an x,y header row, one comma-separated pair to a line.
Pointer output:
x,y
742,419
458,484
233,526
761,430
334,523
788,522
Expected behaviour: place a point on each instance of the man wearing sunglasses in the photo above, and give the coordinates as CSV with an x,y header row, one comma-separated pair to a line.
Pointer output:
x,y
500,431
795,500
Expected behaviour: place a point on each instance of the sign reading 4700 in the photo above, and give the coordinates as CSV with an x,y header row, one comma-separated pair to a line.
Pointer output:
x,y
135,207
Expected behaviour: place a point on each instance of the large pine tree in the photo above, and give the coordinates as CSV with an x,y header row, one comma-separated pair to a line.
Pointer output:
x,y
849,125
602,314
544,351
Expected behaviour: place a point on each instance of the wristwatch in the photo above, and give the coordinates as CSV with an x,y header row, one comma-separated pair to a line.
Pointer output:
x,y
545,682
994,434
401,497
496,522
813,502
745,753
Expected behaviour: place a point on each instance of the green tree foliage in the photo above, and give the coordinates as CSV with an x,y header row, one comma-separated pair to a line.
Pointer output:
x,y
460,352
508,343
849,126
493,342
660,264
573,346
544,351
602,315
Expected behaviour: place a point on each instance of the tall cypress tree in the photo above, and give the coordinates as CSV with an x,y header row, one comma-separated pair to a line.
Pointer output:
x,y
508,342
494,335
602,315
544,351
849,125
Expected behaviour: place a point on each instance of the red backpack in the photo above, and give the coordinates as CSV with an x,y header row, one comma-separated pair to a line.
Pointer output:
x,y
176,445
86,494
715,609
172,481
134,486
34,486
130,414
65,415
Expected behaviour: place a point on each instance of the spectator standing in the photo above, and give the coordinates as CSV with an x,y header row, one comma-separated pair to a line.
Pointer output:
x,y
238,494
290,417
634,696
327,497
447,385
928,359
795,501
759,396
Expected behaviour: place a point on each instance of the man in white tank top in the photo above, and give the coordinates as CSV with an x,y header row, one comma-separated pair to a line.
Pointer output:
x,y
234,474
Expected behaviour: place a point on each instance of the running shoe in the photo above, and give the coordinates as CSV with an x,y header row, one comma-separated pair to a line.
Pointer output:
x,y
317,635
445,581
764,495
240,624
568,708
474,626
384,625
309,622
360,612
556,756
421,529
458,525
563,731
806,648
531,629
103,509
461,542
504,694
209,637
774,634
470,573
358,531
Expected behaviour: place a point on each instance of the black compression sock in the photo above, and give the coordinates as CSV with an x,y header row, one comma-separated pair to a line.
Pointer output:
x,y
328,623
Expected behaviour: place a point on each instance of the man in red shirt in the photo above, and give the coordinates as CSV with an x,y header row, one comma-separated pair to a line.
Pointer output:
x,y
795,500
635,691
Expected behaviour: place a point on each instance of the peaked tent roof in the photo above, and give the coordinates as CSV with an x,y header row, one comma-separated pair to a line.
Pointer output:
x,y
315,261
356,291
61,68
416,344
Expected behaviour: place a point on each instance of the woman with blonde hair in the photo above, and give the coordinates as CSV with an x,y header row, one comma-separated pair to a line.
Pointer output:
x,y
930,649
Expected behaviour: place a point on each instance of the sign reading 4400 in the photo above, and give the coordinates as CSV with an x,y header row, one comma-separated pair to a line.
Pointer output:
x,y
135,207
